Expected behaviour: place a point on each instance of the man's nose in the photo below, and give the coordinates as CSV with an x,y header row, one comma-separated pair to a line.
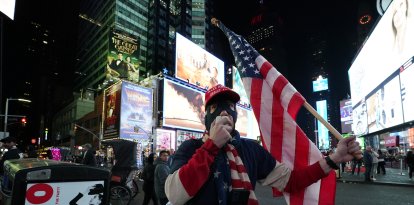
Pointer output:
x,y
224,113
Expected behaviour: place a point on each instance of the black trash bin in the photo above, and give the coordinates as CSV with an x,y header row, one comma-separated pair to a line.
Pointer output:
x,y
36,181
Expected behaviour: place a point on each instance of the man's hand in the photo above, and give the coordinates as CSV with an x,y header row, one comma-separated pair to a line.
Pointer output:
x,y
346,150
220,130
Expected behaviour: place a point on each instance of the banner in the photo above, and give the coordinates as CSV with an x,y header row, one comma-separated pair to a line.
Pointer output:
x,y
123,57
111,111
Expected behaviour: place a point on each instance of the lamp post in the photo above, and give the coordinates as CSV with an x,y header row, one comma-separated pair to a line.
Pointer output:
x,y
7,110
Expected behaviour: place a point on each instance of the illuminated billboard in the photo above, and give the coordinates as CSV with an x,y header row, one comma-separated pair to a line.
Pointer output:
x,y
111,111
320,84
183,107
384,59
345,107
238,87
136,112
165,140
196,65
323,133
123,57
407,90
246,123
7,7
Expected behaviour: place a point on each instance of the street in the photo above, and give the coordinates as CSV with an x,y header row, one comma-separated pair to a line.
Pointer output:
x,y
346,193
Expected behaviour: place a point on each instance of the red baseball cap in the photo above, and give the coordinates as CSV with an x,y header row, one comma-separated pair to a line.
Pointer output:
x,y
221,92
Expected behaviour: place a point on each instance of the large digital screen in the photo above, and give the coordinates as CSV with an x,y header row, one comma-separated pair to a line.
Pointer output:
x,y
246,123
196,65
165,140
63,193
123,57
323,133
7,7
238,87
320,84
183,107
384,107
345,107
359,119
407,90
136,112
183,135
379,62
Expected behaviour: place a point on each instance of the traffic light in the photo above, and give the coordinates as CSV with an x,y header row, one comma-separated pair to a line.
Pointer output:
x,y
23,120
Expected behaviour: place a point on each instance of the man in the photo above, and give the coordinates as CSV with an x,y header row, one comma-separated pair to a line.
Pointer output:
x,y
160,175
89,156
12,153
368,163
119,66
205,171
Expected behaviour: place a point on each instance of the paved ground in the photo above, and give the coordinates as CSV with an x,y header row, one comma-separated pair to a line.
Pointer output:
x,y
348,192
393,176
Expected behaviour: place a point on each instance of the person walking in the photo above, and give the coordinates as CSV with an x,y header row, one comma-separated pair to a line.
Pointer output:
x,y
381,162
410,163
161,173
368,163
148,177
12,153
356,163
374,164
89,156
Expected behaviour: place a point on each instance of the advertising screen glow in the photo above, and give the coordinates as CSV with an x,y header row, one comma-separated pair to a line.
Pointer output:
x,y
136,112
246,123
196,65
345,107
323,133
376,90
7,7
165,139
320,84
183,107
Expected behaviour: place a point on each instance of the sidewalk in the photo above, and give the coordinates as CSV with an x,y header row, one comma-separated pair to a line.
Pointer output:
x,y
392,177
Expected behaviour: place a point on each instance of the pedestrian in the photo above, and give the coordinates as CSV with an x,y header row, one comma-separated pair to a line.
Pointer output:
x,y
368,163
206,171
374,164
171,157
148,177
381,162
12,153
356,163
89,156
160,175
410,163
31,152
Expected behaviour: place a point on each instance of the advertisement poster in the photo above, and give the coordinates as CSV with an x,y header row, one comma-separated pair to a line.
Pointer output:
x,y
359,119
165,140
64,193
136,112
238,87
407,90
246,123
320,84
183,107
183,135
111,111
196,65
323,133
384,107
345,107
123,57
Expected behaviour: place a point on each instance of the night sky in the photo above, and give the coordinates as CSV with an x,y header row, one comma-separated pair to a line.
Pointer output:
x,y
336,19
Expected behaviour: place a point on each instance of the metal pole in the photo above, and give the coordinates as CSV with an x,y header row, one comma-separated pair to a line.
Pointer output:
x,y
5,117
1,61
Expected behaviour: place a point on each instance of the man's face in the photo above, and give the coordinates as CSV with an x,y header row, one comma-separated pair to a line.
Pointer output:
x,y
164,156
225,108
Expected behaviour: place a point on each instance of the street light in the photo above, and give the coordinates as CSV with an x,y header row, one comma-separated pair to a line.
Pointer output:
x,y
7,110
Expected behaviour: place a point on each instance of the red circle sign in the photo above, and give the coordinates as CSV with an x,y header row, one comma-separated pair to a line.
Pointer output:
x,y
32,197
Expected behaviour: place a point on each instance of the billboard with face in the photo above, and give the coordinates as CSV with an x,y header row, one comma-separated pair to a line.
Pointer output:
x,y
196,65
111,111
123,57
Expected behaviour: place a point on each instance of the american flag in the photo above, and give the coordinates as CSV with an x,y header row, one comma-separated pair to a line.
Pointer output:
x,y
275,103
